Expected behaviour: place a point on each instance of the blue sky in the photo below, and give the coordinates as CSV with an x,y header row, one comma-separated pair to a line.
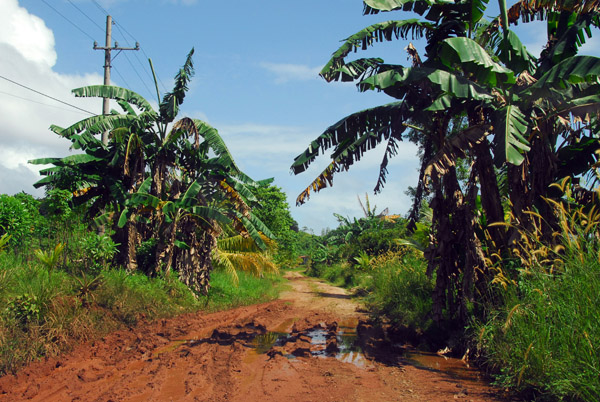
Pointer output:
x,y
256,81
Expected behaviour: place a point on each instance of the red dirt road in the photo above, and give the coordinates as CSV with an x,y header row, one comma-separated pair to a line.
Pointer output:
x,y
302,347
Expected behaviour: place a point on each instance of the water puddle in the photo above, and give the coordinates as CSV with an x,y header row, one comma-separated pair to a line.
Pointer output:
x,y
340,343
264,342
453,367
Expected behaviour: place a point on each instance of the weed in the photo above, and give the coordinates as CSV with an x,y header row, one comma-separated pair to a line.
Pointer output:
x,y
51,258
24,309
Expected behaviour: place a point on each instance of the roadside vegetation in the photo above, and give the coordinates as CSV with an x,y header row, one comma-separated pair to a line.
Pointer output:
x,y
59,285
509,155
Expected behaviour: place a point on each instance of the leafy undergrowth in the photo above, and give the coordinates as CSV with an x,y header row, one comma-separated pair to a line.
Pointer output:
x,y
544,341
46,314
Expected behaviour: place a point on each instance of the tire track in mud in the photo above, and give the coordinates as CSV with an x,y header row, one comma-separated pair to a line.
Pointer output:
x,y
265,352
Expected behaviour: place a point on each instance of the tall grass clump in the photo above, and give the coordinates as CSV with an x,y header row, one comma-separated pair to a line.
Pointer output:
x,y
132,296
401,290
543,339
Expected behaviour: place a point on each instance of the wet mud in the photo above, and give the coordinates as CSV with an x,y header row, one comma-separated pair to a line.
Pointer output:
x,y
312,345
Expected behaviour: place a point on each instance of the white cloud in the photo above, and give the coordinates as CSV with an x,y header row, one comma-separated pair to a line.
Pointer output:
x,y
26,33
25,116
291,72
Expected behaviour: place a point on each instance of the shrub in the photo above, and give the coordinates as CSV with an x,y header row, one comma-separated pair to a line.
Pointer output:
x,y
19,218
401,290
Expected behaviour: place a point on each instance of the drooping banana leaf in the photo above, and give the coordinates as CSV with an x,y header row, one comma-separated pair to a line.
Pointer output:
x,y
380,32
574,70
98,124
209,213
357,69
475,61
113,92
381,120
324,179
216,143
511,127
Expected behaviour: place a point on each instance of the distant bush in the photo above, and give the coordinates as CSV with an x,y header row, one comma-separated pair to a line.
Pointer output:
x,y
19,218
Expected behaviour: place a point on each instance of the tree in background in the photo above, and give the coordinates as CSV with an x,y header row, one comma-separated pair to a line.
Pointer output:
x,y
274,212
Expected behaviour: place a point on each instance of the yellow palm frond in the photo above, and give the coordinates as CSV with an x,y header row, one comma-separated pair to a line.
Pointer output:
x,y
239,253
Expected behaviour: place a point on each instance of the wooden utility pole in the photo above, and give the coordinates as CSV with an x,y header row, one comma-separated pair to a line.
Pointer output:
x,y
107,60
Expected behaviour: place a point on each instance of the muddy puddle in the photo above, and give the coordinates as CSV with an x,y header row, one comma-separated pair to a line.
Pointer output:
x,y
326,341
455,368
333,340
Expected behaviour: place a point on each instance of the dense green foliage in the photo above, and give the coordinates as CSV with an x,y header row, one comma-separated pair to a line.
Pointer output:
x,y
58,286
19,217
274,211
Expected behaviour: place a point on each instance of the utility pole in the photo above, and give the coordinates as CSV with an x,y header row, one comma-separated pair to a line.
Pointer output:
x,y
107,60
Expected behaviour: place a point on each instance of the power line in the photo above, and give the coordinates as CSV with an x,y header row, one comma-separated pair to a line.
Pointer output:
x,y
100,7
47,96
146,68
71,22
40,103
87,16
122,78
122,29
135,70
138,74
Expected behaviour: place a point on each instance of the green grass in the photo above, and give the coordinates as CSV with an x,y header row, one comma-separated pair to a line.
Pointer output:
x,y
250,289
43,315
545,339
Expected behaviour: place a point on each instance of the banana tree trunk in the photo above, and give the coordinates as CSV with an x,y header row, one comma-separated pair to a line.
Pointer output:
x,y
128,239
194,264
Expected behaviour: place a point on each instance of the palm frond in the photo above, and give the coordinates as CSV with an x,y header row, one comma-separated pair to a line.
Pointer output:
x,y
379,123
380,32
169,107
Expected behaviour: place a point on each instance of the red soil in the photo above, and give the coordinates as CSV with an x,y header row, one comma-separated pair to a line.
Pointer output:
x,y
229,356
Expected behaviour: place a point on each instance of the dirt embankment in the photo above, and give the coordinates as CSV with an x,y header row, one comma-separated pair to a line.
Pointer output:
x,y
307,346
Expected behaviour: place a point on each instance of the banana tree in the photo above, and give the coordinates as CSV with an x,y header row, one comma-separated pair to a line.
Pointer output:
x,y
517,110
158,178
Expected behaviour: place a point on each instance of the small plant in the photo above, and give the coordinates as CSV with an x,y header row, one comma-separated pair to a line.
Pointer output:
x,y
4,241
87,284
24,308
363,260
50,258
98,251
